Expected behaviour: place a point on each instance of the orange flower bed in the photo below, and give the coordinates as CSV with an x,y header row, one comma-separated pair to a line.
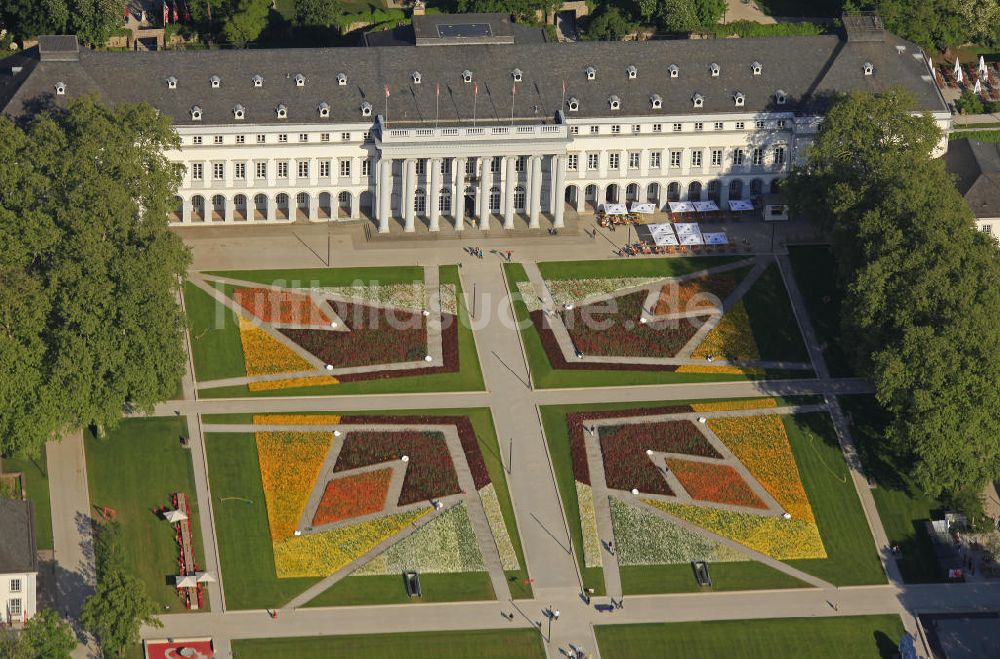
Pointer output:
x,y
353,496
297,419
281,306
291,383
684,296
718,483
265,355
289,465
727,405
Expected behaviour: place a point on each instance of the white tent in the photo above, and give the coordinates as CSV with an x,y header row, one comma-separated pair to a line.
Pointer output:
x,y
186,581
958,71
716,239
740,205
665,239
681,206
174,516
983,71
977,88
687,228
662,234
645,209
705,206
204,577
614,209
693,239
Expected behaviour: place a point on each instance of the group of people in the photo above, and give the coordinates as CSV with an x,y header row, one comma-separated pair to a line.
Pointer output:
x,y
640,248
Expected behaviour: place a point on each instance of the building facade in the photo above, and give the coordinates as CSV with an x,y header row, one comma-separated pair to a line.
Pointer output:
x,y
459,131
18,562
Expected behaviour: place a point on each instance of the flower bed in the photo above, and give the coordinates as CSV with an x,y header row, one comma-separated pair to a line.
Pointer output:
x,y
596,330
353,496
444,545
292,383
322,554
718,483
494,515
449,350
402,296
642,538
707,292
265,355
376,336
626,465
281,306
761,444
588,525
466,434
571,291
430,472
732,339
728,405
289,465
296,419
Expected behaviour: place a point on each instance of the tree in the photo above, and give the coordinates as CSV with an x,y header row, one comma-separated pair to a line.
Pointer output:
x,y
982,19
317,12
247,20
647,8
609,25
935,25
46,635
30,18
709,11
678,16
969,103
89,271
94,21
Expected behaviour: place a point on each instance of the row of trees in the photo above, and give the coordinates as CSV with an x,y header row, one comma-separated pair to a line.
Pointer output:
x,y
46,635
613,21
920,296
93,21
937,25
89,271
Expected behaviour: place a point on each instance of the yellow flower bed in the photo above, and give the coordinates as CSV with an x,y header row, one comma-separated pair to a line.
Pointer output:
x,y
731,339
761,443
728,405
291,383
322,554
289,465
725,370
265,355
296,419
778,538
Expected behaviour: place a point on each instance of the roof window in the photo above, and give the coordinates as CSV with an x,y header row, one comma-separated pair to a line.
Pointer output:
x,y
517,75
324,109
342,79
674,71
216,82
239,112
591,73
61,88
258,81
416,77
366,109
573,103
656,101
869,68
466,76
780,97
739,99
756,68
300,80
632,72
698,100
614,102
171,83
196,113
715,69
281,111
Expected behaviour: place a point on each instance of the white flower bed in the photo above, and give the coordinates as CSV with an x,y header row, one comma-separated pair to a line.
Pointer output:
x,y
530,295
413,297
571,291
491,504
449,299
447,544
642,538
588,521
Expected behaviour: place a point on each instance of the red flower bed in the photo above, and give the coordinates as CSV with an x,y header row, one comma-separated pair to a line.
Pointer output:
x,y
677,297
575,422
449,350
377,336
597,331
430,473
466,434
714,482
353,496
626,465
276,306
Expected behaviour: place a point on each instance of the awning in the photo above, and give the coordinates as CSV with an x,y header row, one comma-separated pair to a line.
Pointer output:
x,y
687,228
643,208
716,239
740,205
665,239
204,577
614,209
681,206
174,516
186,581
692,239
705,206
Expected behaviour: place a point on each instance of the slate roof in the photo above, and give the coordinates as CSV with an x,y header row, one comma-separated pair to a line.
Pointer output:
x,y
808,69
976,166
17,537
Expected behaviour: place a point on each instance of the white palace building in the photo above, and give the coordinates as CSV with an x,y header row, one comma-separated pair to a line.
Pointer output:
x,y
471,122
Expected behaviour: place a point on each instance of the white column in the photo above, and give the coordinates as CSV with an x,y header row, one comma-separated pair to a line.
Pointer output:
x,y
272,207
355,205
355,170
314,204
508,206
553,200
409,183
560,191
384,194
434,194
272,172
484,195
535,207
227,211
186,211
644,163
458,193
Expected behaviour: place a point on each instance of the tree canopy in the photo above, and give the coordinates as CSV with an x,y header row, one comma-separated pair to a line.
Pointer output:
x,y
93,21
89,271
46,635
921,302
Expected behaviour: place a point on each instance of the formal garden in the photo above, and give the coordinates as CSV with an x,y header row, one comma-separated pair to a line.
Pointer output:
x,y
359,500
330,331
739,484
656,321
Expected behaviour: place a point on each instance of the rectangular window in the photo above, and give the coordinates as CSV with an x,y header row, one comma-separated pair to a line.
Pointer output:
x,y
594,130
324,137
241,139
759,125
421,167
445,166
654,159
592,161
303,169
696,158
217,139
781,124
15,585
218,171
470,167
717,125
345,167
519,163
758,157
196,139
613,160
282,137
740,125
636,128
495,164
366,168
574,130
615,129
657,128
345,137
779,156
261,170
572,162
738,156
14,606
675,159
283,169
196,171
261,138
987,228
716,157
699,125
633,159
444,202
303,137
240,170
324,169
677,128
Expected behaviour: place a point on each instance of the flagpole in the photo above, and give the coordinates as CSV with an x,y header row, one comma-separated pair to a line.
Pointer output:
x,y
563,104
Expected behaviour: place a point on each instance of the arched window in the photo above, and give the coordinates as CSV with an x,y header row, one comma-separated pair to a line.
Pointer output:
x,y
260,200
420,202
632,192
198,202
674,191
302,199
756,187
344,199
282,200
240,201
714,191
218,201
694,191
736,189
519,198
775,185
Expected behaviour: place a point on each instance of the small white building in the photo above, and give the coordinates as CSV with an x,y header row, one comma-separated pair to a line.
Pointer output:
x,y
18,562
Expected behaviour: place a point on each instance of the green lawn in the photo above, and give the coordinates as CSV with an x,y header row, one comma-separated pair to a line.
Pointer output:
x,y
134,470
215,337
632,267
772,320
748,575
815,272
245,544
221,351
488,644
36,482
848,636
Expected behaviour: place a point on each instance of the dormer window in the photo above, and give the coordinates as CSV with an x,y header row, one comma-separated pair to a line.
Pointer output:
x,y
698,100
674,71
869,68
574,104
324,110
466,76
614,102
417,77
632,72
739,99
239,112
517,75
258,81
342,79
756,68
61,88
591,73
300,80
171,83
656,101
216,82
715,69
780,97
281,111
196,113
366,109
